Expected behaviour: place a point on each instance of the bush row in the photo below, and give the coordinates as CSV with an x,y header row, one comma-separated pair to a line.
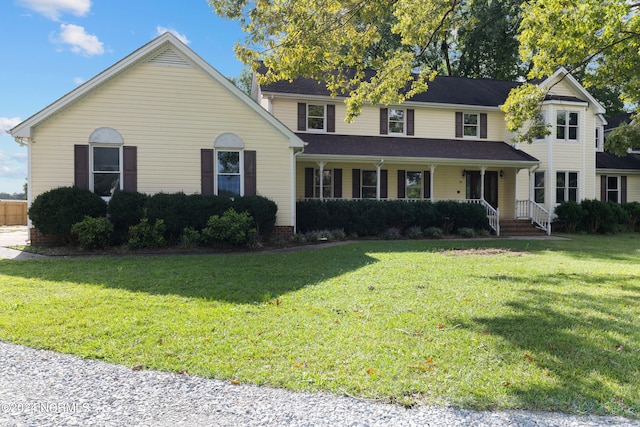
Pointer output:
x,y
595,216
374,217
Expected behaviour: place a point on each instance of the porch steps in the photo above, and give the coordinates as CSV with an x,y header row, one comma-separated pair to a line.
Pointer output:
x,y
519,227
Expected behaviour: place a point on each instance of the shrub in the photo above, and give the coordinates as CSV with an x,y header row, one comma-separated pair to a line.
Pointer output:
x,y
144,235
391,233
466,232
483,233
633,213
230,229
55,211
93,233
298,238
126,208
191,238
414,232
173,210
620,218
598,216
262,210
433,233
338,234
569,216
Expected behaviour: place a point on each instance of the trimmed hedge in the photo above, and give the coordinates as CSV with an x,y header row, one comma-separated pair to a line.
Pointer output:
x,y
596,216
375,217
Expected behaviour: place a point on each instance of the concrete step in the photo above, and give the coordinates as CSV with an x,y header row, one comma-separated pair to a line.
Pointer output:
x,y
519,228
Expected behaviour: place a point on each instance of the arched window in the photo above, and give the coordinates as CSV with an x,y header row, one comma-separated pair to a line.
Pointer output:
x,y
229,158
105,161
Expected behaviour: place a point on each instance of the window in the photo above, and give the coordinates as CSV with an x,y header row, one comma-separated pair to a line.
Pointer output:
x,y
327,183
315,117
470,124
414,185
566,187
598,142
396,121
105,172
229,173
567,125
368,184
541,123
613,189
538,187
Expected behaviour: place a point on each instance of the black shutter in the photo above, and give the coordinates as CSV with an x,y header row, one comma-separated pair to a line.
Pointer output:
x,y
355,186
302,116
308,182
402,185
603,188
337,183
331,118
426,184
458,124
623,189
483,125
206,171
384,121
410,121
250,181
384,193
130,168
81,166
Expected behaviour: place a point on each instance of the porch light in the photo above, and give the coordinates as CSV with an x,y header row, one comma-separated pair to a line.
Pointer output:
x,y
501,173
464,172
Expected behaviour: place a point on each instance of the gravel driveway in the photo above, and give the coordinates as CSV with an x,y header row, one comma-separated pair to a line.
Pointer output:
x,y
42,388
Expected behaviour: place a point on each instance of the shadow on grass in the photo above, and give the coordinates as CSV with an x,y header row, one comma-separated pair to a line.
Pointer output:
x,y
233,278
587,342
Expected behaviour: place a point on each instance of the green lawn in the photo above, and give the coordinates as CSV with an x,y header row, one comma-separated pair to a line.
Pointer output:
x,y
547,325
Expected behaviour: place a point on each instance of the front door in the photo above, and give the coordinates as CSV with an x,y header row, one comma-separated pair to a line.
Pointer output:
x,y
474,185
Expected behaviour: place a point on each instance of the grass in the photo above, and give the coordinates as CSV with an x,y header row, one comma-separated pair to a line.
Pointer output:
x,y
544,325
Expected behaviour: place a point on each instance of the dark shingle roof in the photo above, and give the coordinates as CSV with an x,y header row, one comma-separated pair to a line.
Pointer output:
x,y
443,89
605,160
385,147
615,121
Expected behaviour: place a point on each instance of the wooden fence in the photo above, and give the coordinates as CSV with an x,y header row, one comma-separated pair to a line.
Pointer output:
x,y
13,212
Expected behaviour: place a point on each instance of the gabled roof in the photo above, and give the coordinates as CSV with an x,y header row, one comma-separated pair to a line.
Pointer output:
x,y
158,46
616,121
414,148
606,160
562,74
442,90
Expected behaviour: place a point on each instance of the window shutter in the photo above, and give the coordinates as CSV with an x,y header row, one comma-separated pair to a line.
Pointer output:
x,y
426,184
410,121
337,183
130,168
384,193
458,124
623,189
603,188
483,125
206,171
402,177
302,116
308,183
250,182
384,121
81,166
355,187
331,118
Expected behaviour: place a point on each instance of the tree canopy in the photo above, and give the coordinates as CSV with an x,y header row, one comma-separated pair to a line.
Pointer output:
x,y
407,42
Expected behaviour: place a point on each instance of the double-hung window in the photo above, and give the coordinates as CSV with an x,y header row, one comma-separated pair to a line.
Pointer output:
x,y
396,121
613,189
316,117
326,184
538,187
566,187
229,173
414,185
368,184
106,169
567,126
470,124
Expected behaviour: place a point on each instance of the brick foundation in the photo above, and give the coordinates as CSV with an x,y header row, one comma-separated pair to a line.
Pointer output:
x,y
39,239
281,231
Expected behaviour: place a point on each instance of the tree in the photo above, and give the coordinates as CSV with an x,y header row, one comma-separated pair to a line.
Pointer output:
x,y
600,40
243,81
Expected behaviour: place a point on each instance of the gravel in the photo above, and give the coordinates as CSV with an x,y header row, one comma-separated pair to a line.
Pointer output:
x,y
42,388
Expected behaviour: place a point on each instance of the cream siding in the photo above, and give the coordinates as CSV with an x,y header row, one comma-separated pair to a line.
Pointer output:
x,y
169,114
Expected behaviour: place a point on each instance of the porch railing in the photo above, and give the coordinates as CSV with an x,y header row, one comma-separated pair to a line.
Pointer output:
x,y
493,214
538,215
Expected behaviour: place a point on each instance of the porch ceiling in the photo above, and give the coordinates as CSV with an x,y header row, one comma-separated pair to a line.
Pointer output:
x,y
354,147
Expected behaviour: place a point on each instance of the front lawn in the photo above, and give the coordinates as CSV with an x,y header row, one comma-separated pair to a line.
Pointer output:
x,y
546,325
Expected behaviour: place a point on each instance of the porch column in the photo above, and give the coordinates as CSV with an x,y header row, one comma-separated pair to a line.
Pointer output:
x,y
482,171
432,170
378,167
321,178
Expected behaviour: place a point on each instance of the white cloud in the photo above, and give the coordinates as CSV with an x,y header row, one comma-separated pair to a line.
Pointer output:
x,y
161,30
7,123
13,165
52,9
80,42
78,80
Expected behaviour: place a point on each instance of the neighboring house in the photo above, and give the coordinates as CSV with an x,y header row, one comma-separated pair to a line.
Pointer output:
x,y
162,120
447,143
618,176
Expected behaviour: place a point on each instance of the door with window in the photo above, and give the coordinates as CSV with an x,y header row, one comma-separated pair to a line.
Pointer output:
x,y
474,186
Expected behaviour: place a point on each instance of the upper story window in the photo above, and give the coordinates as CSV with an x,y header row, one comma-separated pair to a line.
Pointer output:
x,y
567,125
396,121
316,117
598,138
470,124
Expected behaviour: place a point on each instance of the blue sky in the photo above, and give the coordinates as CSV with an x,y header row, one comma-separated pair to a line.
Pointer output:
x,y
49,47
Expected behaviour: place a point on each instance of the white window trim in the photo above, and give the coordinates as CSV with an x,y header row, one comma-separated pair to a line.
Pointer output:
x,y
362,186
324,118
92,172
599,138
544,186
567,126
404,121
477,125
406,185
566,187
241,169
542,119
618,187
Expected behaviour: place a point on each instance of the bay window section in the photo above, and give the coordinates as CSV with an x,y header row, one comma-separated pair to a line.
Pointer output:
x,y
567,126
229,174
106,170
